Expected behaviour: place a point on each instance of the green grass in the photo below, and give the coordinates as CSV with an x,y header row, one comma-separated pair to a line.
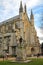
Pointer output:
x,y
34,62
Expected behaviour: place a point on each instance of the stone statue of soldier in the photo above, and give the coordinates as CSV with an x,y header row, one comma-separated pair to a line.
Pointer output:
x,y
21,54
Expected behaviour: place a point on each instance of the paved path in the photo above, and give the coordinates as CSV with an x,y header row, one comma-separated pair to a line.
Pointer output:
x,y
13,58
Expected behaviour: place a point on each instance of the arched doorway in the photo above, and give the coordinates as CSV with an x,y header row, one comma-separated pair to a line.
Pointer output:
x,y
32,51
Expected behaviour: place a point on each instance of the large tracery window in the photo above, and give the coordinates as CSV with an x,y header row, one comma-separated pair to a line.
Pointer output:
x,y
0,29
0,41
7,42
9,27
17,25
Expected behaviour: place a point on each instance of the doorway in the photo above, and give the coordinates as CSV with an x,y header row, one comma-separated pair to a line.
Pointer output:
x,y
14,50
32,51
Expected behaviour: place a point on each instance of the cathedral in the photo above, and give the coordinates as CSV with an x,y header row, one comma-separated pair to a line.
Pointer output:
x,y
19,32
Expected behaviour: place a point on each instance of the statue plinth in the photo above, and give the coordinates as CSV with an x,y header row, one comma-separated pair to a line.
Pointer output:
x,y
21,50
21,54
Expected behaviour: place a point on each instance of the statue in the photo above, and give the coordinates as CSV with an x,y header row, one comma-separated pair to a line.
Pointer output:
x,y
20,40
21,51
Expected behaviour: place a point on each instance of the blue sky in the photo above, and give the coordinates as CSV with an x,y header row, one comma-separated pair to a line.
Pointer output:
x,y
10,8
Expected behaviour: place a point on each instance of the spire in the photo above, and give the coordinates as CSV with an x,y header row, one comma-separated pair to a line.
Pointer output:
x,y
21,7
25,7
31,16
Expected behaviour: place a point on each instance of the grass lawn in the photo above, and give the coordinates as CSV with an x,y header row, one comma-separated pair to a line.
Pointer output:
x,y
34,62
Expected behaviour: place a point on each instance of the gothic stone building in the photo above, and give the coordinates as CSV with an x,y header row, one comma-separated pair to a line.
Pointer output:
x,y
18,27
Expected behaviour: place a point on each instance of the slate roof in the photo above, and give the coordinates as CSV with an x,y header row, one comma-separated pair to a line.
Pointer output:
x,y
11,19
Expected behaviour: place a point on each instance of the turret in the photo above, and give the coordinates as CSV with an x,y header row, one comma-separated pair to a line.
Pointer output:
x,y
21,8
32,18
25,8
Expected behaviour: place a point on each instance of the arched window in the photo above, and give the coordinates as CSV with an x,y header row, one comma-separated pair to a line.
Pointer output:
x,y
32,49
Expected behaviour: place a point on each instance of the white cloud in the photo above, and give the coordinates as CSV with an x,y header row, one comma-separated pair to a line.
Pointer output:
x,y
32,3
13,5
39,34
41,41
8,6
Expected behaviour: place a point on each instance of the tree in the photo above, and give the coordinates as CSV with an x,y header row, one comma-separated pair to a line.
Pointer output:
x,y
42,48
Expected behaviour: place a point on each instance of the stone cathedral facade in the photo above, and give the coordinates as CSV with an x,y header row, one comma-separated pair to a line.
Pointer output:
x,y
16,28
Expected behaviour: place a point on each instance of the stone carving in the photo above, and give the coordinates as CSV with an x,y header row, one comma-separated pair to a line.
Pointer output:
x,y
21,50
